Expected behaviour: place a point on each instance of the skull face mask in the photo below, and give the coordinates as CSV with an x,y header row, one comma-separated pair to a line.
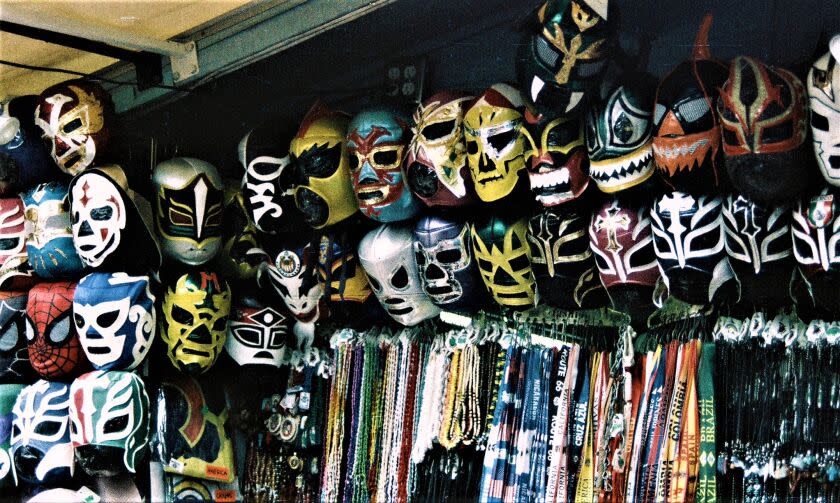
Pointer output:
x,y
109,422
189,209
495,143
8,395
688,239
324,193
14,355
559,166
762,117
54,348
294,276
501,248
114,316
194,322
41,448
74,117
618,138
240,257
49,240
387,254
686,136
562,262
436,165
376,145
15,272
257,334
824,94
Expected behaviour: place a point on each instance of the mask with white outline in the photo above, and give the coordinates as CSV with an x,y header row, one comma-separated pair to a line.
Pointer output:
x,y
558,168
8,395
500,246
49,238
824,93
816,246
294,276
257,333
15,272
14,355
99,217
55,351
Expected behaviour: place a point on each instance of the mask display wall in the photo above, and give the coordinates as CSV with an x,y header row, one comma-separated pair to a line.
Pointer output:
x,y
257,333
377,140
188,209
49,238
762,118
561,67
562,262
500,245
448,273
758,243
194,322
496,147
14,354
114,316
240,256
294,276
15,272
559,166
816,246
824,94
686,134
323,192
109,422
436,163
20,140
54,348
689,244
75,119
387,255
41,447
8,395
618,139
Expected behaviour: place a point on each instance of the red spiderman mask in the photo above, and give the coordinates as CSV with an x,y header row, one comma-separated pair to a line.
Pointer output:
x,y
54,348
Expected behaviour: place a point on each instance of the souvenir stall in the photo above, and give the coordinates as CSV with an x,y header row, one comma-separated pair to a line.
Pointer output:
x,y
563,253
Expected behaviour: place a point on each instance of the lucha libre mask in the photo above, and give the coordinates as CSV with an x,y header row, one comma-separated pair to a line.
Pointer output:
x,y
824,93
387,254
376,145
686,134
257,333
49,239
561,67
109,422
15,272
501,248
268,182
618,138
240,256
758,243
27,161
41,448
14,355
74,118
189,209
559,167
194,322
114,316
495,143
816,246
294,276
436,164
324,193
54,348
448,273
344,280
8,395
688,239
562,261
762,117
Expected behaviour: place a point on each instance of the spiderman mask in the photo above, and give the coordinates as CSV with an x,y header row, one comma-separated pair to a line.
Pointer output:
x,y
54,348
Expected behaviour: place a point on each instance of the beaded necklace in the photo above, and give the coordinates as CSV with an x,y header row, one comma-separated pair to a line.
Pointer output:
x,y
355,419
387,422
444,438
408,423
335,426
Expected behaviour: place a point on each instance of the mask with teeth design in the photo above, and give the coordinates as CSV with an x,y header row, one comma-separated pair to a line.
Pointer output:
x,y
686,136
816,246
559,167
495,142
824,93
560,67
618,139
387,255
500,245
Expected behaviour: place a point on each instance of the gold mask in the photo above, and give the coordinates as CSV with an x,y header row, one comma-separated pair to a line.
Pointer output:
x,y
504,260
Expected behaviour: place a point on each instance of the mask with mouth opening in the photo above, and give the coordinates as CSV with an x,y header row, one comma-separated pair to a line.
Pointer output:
x,y
55,351
49,238
257,333
8,395
387,255
495,143
824,94
377,140
194,322
14,354
294,276
500,245
559,167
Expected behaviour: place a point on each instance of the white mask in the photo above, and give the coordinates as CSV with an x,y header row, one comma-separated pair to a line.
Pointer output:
x,y
824,93
99,217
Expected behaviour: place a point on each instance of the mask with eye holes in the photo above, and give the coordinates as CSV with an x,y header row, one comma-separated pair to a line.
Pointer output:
x,y
559,167
41,447
49,239
686,135
495,143
194,322
436,164
54,348
689,244
500,245
561,66
294,276
8,395
762,118
257,333
114,316
376,145
15,273
109,422
618,139
240,256
14,354
816,245
758,243
562,262
448,273
824,94
387,255
323,192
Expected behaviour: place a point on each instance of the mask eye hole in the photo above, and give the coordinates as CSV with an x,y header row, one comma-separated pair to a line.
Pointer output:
x,y
777,133
105,320
9,337
248,336
501,140
60,330
601,262
322,162
354,162
48,428
102,213
643,257
385,158
219,325
485,265
181,315
472,147
375,284
438,130
449,256
658,113
79,320
421,257
519,263
819,121
694,110
116,424
623,128
400,278
72,125
179,218
8,243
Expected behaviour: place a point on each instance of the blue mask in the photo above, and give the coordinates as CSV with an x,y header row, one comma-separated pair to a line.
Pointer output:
x,y
8,394
49,239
